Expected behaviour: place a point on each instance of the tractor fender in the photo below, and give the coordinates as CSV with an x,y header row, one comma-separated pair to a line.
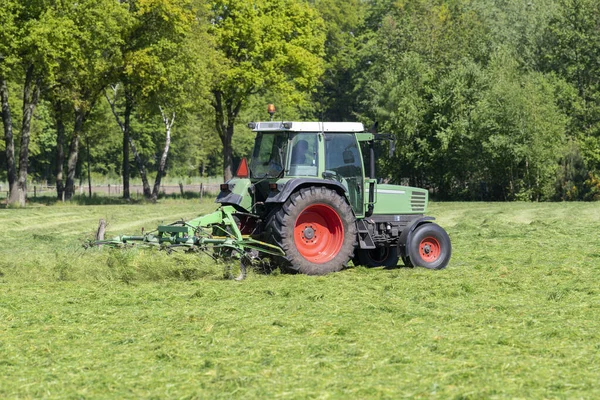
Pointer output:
x,y
295,184
229,199
405,236
238,194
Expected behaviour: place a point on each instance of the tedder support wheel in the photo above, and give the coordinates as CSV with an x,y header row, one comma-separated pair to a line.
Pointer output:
x,y
316,229
429,247
379,257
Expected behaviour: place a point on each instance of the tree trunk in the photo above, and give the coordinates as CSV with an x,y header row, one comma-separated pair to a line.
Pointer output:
x,y
225,116
31,95
60,148
141,169
74,153
227,153
9,141
126,130
163,158
89,175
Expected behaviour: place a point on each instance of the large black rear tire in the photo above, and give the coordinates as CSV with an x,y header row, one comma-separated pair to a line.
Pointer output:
x,y
316,229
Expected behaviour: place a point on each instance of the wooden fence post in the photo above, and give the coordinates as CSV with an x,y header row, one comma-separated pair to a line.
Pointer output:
x,y
101,229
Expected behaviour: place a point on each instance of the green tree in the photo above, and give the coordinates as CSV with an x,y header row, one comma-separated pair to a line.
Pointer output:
x,y
93,32
420,80
344,24
165,50
570,49
522,132
472,120
8,57
29,45
262,46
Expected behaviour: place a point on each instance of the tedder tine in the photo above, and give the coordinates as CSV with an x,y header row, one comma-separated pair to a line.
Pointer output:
x,y
199,235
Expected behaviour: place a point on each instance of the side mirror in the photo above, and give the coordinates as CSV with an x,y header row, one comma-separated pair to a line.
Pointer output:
x,y
348,157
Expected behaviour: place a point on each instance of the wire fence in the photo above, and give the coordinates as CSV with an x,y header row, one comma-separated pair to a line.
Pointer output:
x,y
116,190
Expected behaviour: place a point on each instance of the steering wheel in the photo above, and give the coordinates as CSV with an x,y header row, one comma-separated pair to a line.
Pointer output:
x,y
331,174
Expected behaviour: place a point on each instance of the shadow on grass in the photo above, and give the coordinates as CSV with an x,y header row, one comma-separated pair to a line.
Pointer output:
x,y
99,200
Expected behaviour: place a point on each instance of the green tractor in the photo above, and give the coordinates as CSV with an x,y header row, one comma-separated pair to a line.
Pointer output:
x,y
306,192
305,200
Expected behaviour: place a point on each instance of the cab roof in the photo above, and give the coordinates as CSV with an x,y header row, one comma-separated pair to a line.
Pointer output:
x,y
292,126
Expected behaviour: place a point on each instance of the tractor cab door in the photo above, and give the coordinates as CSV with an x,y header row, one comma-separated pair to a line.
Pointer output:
x,y
304,157
343,163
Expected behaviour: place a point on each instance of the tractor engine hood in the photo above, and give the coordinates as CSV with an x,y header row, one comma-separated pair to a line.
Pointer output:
x,y
390,198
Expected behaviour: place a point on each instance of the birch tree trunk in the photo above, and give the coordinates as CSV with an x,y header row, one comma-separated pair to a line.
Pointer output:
x,y
163,158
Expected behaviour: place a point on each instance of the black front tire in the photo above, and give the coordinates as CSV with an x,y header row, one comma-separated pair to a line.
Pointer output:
x,y
429,247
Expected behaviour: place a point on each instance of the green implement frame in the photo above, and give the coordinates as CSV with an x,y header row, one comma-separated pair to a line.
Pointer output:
x,y
212,231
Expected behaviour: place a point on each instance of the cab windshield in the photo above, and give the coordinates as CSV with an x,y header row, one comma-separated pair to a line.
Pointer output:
x,y
270,158
270,153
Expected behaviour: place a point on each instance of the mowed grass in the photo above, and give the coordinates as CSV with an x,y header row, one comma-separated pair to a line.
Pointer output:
x,y
515,315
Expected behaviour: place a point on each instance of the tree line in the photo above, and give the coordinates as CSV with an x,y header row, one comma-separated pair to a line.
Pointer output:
x,y
487,99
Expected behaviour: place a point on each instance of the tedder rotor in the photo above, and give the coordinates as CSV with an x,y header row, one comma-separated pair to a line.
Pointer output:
x,y
306,202
219,231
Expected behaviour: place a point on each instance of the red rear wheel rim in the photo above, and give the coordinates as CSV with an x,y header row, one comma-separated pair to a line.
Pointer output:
x,y
319,233
430,249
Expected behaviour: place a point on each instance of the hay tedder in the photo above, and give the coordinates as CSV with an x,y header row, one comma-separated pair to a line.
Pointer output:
x,y
305,204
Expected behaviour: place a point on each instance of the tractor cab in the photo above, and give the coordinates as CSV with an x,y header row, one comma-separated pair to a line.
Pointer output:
x,y
305,149
304,153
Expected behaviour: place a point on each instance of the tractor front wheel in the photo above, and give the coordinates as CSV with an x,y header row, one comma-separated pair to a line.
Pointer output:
x,y
316,229
429,247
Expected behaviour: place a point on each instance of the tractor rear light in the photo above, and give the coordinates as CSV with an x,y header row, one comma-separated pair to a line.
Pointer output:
x,y
252,125
287,125
227,187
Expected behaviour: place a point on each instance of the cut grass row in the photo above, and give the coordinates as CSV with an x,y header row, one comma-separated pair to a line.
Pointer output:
x,y
514,315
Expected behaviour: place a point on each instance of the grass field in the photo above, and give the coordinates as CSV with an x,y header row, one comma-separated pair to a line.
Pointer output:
x,y
515,315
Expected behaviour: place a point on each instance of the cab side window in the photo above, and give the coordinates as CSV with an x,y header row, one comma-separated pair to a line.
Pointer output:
x,y
304,155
